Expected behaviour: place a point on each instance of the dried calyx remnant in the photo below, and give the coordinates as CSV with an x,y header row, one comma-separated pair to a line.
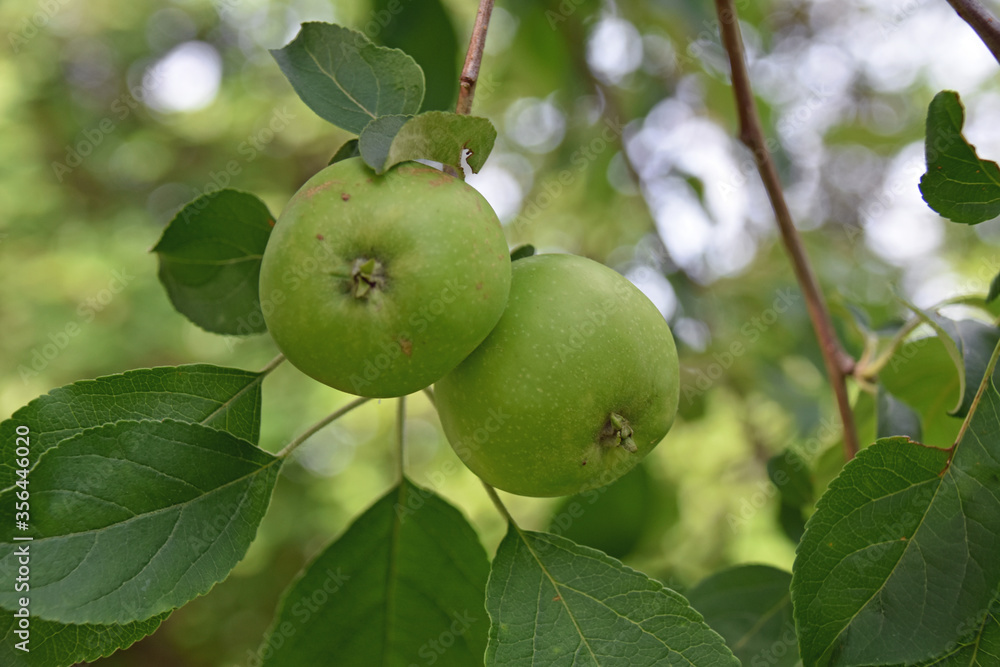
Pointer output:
x,y
618,433
366,275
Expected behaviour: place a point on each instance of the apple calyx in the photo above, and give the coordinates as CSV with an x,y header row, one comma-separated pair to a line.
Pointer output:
x,y
366,275
618,433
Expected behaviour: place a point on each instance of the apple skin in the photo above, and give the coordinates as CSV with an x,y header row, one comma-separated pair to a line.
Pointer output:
x,y
530,410
379,285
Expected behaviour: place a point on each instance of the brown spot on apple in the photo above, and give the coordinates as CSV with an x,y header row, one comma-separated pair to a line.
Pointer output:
x,y
313,191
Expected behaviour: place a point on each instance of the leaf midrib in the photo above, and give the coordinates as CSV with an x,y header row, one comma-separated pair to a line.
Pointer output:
x,y
194,261
892,571
340,87
562,599
555,586
390,599
768,615
161,510
79,428
258,379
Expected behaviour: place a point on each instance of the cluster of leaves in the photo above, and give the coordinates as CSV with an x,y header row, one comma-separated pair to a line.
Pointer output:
x,y
896,564
897,561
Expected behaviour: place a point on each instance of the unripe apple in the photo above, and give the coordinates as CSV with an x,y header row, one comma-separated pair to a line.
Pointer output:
x,y
577,382
379,285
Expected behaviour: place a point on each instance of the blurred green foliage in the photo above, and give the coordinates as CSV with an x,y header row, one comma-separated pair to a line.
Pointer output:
x,y
95,158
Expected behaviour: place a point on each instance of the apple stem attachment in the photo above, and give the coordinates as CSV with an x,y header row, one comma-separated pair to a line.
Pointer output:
x,y
366,275
617,432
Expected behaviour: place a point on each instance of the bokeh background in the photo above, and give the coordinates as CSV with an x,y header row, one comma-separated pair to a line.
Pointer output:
x,y
616,128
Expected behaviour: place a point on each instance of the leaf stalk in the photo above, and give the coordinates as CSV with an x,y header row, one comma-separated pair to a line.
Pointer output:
x,y
401,434
271,365
987,379
330,418
499,504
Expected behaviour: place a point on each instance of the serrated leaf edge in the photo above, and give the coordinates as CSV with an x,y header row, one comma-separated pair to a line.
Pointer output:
x,y
198,593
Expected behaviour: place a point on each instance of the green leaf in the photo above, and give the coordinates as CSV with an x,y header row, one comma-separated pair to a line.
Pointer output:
x,y
896,418
346,79
994,289
522,251
403,585
553,602
53,644
406,26
922,375
224,398
228,399
792,520
902,549
790,473
972,343
750,606
375,141
210,261
435,135
347,151
979,648
958,184
969,344
136,518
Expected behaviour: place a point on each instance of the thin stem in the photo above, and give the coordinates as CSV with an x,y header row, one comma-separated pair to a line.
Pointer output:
x,y
982,21
333,416
499,504
271,365
868,371
987,379
473,58
838,363
867,353
264,372
400,433
430,396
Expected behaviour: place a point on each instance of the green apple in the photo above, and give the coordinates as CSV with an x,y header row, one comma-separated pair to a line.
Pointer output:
x,y
379,285
577,382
